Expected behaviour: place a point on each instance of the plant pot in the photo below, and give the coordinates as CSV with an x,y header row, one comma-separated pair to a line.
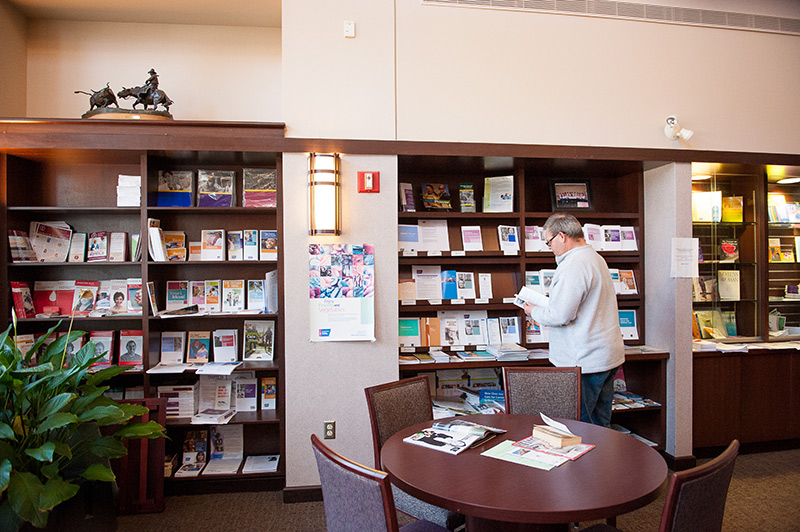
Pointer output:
x,y
93,508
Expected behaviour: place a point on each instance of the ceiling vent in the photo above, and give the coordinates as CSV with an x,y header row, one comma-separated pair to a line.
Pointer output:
x,y
641,12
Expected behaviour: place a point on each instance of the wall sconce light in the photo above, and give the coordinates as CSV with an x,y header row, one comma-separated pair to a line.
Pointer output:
x,y
674,131
323,194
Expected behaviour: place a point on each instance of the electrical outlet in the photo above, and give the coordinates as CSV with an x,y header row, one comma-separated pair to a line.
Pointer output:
x,y
329,430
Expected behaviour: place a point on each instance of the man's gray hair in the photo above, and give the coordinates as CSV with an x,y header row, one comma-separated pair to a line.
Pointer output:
x,y
564,223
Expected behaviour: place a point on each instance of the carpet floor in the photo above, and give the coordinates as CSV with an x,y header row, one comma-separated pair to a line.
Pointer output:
x,y
764,495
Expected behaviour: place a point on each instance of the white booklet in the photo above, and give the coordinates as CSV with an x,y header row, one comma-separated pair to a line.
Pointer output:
x,y
427,281
433,235
529,295
498,194
508,238
267,463
471,237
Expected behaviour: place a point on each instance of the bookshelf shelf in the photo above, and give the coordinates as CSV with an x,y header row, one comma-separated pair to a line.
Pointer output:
x,y
243,418
204,211
223,478
75,210
423,307
458,215
99,264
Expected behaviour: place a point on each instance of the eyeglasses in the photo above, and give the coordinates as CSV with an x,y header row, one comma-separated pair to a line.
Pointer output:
x,y
547,242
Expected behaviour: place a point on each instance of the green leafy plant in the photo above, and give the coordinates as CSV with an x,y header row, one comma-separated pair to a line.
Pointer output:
x,y
50,436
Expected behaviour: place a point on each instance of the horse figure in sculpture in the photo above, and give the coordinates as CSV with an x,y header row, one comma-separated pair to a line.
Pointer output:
x,y
145,97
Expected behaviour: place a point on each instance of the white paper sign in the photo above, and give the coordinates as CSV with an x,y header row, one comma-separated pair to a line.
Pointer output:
x,y
684,257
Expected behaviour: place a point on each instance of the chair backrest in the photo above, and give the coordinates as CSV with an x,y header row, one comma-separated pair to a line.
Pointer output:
x,y
555,392
355,496
394,406
696,497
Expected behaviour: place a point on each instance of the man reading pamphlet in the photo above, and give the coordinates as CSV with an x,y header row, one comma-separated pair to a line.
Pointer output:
x,y
582,315
453,436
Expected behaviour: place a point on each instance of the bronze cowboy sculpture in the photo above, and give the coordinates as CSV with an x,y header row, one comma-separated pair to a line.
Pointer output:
x,y
147,95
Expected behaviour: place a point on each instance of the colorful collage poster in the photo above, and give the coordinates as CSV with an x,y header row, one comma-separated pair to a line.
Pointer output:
x,y
341,292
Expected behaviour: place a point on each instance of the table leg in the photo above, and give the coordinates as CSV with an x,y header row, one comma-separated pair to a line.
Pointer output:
x,y
476,524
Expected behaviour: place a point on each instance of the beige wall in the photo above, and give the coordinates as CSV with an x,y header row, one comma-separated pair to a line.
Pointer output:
x,y
503,76
325,381
336,87
13,61
210,72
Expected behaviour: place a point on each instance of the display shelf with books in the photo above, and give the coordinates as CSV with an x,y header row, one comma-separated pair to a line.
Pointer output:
x,y
62,178
468,242
725,222
783,239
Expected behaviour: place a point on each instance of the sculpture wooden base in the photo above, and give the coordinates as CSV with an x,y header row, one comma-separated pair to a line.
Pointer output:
x,y
112,113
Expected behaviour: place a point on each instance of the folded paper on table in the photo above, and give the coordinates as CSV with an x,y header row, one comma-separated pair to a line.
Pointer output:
x,y
501,451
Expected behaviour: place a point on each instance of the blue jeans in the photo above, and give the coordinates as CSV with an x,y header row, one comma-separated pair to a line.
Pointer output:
x,y
597,391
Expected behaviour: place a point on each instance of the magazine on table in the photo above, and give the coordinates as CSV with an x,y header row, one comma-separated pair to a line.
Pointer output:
x,y
453,436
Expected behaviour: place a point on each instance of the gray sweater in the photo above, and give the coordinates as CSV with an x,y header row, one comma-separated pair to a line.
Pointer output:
x,y
582,313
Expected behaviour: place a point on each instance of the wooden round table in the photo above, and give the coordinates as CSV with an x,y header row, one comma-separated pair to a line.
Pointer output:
x,y
619,475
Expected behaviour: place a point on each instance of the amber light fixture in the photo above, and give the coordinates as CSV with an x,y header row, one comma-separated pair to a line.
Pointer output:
x,y
323,194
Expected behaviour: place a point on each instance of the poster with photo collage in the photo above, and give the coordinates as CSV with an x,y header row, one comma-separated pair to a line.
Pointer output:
x,y
341,292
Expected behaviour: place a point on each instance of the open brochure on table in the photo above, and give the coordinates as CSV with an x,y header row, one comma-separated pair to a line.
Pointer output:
x,y
544,449
570,452
453,436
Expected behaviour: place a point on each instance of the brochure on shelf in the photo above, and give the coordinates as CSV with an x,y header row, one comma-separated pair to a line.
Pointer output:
x,y
427,281
433,235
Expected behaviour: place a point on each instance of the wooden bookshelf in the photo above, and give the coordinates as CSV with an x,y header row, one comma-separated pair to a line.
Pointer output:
x,y
617,198
67,170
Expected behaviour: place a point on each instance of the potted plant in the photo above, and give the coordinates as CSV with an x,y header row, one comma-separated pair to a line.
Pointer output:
x,y
50,426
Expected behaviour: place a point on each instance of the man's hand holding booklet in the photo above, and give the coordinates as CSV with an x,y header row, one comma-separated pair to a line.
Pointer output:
x,y
528,295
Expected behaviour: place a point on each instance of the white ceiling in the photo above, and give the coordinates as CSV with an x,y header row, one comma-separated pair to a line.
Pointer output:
x,y
259,13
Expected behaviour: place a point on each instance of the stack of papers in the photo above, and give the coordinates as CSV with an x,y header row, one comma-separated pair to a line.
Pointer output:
x,y
628,400
475,356
440,356
210,416
218,368
538,353
507,352
182,401
703,345
129,191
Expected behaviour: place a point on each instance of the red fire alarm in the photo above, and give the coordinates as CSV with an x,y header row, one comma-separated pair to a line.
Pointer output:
x,y
369,181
